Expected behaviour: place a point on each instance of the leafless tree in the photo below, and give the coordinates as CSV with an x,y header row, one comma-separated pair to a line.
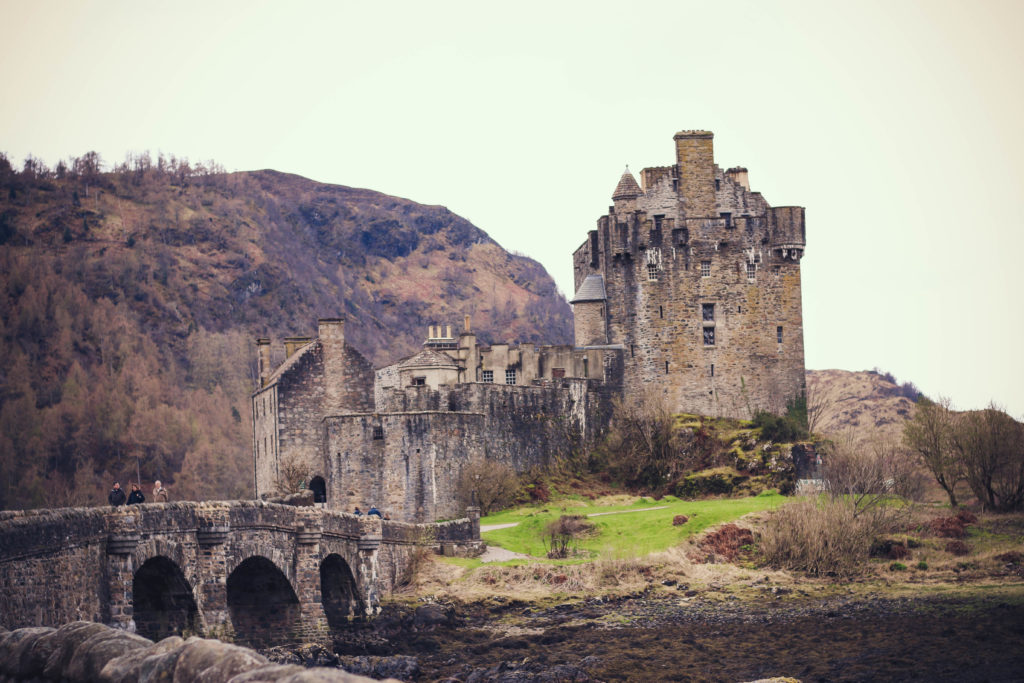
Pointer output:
x,y
930,435
490,485
991,445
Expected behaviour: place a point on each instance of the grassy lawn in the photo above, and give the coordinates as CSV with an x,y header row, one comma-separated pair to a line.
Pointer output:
x,y
631,534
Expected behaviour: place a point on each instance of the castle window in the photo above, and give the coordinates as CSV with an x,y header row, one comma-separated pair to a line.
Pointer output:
x,y
510,376
487,376
705,268
727,217
707,312
652,271
778,333
712,369
751,272
661,311
586,368
739,309
718,184
378,432
557,373
709,336
666,367
419,381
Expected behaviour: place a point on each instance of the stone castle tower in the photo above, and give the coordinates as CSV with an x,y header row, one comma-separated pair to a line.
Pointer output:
x,y
697,278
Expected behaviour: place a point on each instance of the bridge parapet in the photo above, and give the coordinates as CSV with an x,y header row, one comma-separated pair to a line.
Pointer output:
x,y
85,563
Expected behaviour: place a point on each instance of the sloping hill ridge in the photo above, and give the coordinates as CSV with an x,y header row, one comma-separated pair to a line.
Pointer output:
x,y
131,301
863,401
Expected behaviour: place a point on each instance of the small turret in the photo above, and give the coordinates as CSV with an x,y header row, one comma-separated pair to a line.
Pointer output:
x,y
787,230
627,188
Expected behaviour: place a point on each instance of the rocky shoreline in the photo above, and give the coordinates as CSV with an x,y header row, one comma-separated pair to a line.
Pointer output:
x,y
654,636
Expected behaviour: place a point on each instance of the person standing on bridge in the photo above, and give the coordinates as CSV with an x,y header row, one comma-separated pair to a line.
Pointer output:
x,y
136,497
160,494
116,495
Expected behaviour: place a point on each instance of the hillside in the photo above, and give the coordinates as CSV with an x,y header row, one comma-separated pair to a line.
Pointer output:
x,y
131,299
859,400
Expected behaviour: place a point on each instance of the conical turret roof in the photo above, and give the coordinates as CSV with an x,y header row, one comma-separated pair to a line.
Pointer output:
x,y
627,187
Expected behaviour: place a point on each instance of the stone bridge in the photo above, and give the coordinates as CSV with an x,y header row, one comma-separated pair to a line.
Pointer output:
x,y
262,572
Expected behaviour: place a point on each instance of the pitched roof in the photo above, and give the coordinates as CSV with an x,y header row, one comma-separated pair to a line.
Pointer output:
x,y
592,289
428,358
627,187
288,364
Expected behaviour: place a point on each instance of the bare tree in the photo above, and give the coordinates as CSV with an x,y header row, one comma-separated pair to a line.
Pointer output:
x,y
292,474
930,435
490,485
991,445
644,446
818,403
869,472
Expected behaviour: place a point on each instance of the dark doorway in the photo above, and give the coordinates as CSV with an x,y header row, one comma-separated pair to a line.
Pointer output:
x,y
319,488
162,600
338,588
263,607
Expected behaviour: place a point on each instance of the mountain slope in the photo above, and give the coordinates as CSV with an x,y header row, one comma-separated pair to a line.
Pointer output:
x,y
860,401
130,301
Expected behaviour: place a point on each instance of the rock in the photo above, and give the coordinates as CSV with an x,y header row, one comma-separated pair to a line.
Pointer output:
x,y
154,663
16,650
269,673
398,666
430,616
679,520
94,652
212,661
66,640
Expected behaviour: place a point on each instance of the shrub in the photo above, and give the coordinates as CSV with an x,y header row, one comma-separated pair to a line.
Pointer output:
x,y
560,534
893,550
948,527
718,481
779,428
679,520
897,567
823,537
913,543
1012,557
922,565
966,516
726,541
958,548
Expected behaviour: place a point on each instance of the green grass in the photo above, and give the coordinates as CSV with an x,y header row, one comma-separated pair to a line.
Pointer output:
x,y
630,534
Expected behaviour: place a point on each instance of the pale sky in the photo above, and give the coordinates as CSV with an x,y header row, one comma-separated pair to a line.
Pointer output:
x,y
899,125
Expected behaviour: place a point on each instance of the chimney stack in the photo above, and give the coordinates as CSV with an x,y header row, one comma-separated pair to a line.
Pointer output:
x,y
263,360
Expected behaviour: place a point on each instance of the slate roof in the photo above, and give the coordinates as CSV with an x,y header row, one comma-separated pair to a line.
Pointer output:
x,y
627,187
428,358
592,289
288,364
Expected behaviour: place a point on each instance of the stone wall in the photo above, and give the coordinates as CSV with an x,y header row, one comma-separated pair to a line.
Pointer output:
x,y
406,459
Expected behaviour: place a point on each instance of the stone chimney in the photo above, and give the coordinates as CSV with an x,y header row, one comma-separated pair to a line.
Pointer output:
x,y
263,360
331,336
738,175
293,344
465,323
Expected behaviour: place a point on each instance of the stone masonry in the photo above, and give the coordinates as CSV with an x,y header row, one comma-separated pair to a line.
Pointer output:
x,y
265,572
698,279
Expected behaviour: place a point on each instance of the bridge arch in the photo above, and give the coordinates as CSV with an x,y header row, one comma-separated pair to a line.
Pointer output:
x,y
339,591
163,601
263,606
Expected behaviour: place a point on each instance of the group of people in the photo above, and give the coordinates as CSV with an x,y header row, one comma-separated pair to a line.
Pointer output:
x,y
117,496
372,512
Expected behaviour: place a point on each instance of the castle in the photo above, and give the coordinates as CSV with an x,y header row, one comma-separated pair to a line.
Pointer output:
x,y
689,286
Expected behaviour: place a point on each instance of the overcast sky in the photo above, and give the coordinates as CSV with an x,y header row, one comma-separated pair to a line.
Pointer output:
x,y
899,126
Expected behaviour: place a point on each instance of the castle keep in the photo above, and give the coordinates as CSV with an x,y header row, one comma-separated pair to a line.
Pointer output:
x,y
698,279
689,287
